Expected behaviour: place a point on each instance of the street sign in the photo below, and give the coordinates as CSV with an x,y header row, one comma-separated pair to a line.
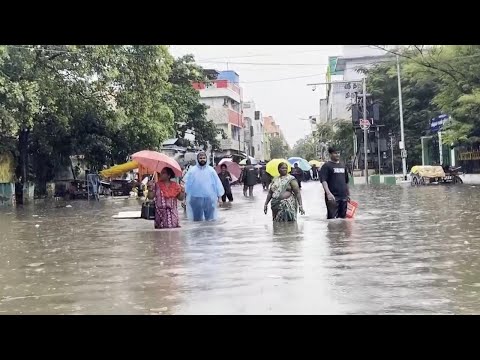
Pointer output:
x,y
364,123
404,154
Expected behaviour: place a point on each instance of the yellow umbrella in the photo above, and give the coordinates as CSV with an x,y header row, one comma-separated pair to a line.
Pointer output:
x,y
316,163
272,166
119,169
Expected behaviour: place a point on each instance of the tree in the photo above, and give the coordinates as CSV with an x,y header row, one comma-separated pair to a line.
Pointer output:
x,y
104,102
277,148
418,105
305,148
451,74
184,100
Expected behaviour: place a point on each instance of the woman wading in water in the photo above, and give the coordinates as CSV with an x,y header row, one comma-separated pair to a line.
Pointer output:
x,y
285,196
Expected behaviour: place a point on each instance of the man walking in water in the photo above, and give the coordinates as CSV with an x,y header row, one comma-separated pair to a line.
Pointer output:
x,y
203,189
334,179
249,178
298,174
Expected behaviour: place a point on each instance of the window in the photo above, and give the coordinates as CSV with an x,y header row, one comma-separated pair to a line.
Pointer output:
x,y
258,148
257,115
251,130
225,102
235,133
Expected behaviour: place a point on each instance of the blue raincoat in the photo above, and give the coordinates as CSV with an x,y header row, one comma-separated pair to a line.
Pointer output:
x,y
203,188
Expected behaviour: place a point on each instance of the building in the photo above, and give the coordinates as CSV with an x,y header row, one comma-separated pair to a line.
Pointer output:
x,y
273,129
254,131
266,147
345,99
341,96
223,96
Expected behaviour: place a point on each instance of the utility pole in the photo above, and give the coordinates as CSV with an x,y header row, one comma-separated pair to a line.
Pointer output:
x,y
391,147
365,130
365,133
402,134
378,150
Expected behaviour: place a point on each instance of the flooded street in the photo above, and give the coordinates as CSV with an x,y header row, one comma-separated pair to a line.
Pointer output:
x,y
409,250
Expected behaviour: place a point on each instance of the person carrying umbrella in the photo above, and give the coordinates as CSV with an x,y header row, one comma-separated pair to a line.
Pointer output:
x,y
166,193
226,178
298,174
203,190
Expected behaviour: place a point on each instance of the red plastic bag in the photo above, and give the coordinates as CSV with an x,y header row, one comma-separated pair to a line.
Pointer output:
x,y
351,209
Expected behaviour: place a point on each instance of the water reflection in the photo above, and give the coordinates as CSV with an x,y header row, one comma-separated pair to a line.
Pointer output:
x,y
409,250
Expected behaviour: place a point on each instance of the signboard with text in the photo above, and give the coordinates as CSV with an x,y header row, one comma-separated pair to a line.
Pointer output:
x,y
436,124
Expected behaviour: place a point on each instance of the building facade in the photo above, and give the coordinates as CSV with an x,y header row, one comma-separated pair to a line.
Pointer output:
x,y
273,129
254,131
224,98
341,96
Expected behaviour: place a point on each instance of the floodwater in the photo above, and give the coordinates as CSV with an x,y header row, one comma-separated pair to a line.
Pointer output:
x,y
409,250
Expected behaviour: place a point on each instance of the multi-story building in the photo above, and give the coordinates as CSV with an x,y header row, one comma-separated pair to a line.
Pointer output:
x,y
254,131
266,147
341,96
273,129
223,96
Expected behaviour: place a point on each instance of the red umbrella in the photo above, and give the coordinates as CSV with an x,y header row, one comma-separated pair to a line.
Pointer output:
x,y
156,161
232,167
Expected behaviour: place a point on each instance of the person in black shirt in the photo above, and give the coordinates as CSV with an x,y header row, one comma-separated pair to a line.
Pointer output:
x,y
298,174
334,178
314,172
225,178
249,178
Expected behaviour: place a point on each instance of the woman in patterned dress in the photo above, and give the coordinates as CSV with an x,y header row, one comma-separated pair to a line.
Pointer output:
x,y
167,193
284,193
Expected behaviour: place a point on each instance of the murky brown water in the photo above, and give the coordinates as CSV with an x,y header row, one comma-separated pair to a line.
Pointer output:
x,y
410,250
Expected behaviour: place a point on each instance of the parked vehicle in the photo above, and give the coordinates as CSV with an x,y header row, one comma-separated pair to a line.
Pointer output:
x,y
121,187
428,174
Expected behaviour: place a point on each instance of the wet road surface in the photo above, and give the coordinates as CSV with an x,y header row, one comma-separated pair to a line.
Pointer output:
x,y
409,250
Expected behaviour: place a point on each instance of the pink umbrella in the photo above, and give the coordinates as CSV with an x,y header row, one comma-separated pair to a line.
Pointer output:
x,y
156,161
232,167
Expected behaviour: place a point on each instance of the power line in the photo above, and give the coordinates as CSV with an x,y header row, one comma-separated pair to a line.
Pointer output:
x,y
261,55
259,63
283,79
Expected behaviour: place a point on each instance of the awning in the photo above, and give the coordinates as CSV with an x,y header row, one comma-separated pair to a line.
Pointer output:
x,y
119,169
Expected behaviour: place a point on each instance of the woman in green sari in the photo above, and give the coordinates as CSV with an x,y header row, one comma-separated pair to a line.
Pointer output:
x,y
285,196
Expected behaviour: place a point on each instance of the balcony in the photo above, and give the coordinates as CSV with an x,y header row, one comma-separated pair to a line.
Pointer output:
x,y
219,88
227,144
222,116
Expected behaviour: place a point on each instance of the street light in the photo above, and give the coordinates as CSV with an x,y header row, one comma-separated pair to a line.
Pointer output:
x,y
402,134
365,130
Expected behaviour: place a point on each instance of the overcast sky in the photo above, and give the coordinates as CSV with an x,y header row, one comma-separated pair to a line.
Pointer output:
x,y
278,90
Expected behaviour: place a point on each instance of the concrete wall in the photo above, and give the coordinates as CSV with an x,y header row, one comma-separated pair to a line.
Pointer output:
x,y
471,179
257,139
7,194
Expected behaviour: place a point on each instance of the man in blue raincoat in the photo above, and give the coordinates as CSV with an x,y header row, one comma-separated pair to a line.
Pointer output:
x,y
204,190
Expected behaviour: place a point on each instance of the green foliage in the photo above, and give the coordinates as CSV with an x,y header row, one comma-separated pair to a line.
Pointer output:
x,y
438,79
277,148
304,148
101,101
338,134
184,101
